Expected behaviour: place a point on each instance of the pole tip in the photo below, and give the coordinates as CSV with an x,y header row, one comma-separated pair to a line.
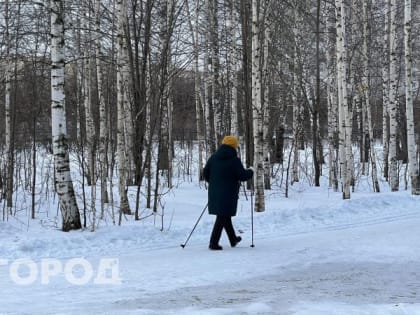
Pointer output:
x,y
252,245
182,245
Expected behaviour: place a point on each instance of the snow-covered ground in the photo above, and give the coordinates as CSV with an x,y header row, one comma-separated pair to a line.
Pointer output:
x,y
314,254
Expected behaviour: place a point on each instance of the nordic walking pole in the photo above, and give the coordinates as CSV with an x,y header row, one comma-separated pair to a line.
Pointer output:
x,y
252,219
199,218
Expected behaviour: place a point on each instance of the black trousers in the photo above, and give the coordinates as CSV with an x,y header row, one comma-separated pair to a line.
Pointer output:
x,y
220,223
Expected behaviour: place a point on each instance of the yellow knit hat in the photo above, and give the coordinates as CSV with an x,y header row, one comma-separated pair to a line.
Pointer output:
x,y
231,141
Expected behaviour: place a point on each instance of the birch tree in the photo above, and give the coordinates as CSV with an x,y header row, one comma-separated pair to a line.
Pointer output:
x,y
246,38
257,110
343,116
102,111
215,70
316,148
297,111
332,100
411,142
197,99
121,108
7,107
265,15
385,90
89,122
233,56
366,94
63,181
393,101
208,106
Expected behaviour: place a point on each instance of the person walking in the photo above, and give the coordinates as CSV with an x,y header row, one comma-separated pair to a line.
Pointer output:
x,y
224,172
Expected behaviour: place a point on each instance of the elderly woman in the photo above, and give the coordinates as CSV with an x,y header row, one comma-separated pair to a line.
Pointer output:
x,y
224,172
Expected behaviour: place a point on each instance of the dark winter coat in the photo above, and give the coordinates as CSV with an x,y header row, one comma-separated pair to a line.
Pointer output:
x,y
224,171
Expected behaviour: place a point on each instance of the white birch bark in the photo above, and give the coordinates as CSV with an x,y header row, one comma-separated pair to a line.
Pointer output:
x,y
8,133
385,91
87,99
90,129
210,142
215,68
344,137
121,118
257,111
128,110
207,106
195,35
127,99
332,101
265,72
366,89
169,21
296,126
411,141
233,57
90,133
63,182
102,112
393,101
8,153
295,102
169,108
7,108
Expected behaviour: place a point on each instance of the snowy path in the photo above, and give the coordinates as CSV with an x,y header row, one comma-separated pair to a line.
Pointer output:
x,y
362,269
313,256
355,284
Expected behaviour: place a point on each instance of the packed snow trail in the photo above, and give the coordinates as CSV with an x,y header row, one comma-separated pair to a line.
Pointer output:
x,y
367,269
360,268
314,254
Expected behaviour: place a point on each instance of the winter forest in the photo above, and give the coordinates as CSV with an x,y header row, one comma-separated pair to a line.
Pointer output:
x,y
107,93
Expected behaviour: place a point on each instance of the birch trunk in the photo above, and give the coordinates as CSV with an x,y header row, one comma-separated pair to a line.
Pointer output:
x,y
366,88
215,75
8,143
102,113
128,120
385,91
316,148
266,111
195,35
90,133
121,118
87,98
344,137
393,101
411,141
332,101
8,121
63,182
295,102
233,57
257,110
169,22
90,128
208,112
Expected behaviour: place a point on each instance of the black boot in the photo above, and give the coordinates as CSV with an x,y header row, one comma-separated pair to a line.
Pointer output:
x,y
216,233
236,241
215,247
